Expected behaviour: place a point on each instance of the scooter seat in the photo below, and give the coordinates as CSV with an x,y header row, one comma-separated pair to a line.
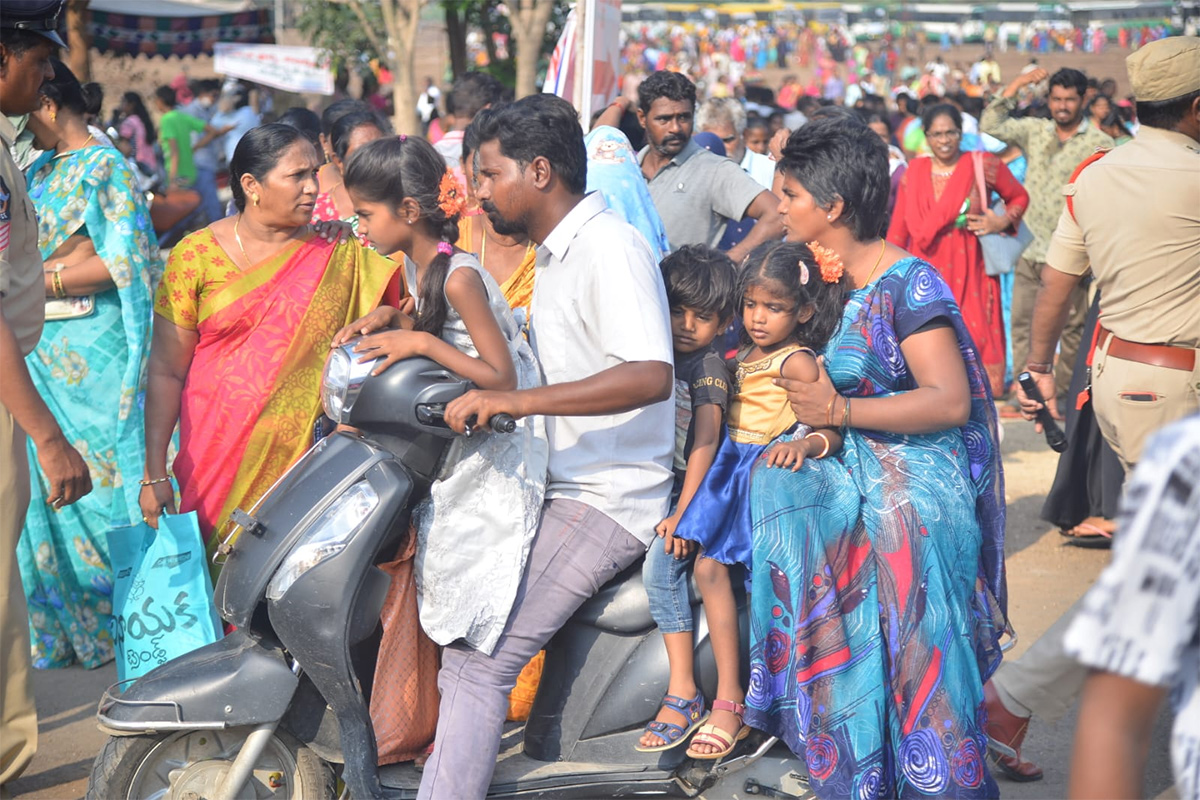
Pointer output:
x,y
621,605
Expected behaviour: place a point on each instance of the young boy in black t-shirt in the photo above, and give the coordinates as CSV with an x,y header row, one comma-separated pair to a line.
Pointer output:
x,y
701,283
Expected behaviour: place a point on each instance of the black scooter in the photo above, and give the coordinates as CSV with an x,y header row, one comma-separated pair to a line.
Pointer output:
x,y
278,707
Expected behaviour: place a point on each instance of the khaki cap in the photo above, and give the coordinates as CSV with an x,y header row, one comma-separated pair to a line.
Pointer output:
x,y
1165,69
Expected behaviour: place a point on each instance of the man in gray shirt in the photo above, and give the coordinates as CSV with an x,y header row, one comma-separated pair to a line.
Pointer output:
x,y
696,192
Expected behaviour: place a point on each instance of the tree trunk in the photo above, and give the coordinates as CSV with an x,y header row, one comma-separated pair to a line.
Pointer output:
x,y
402,19
456,34
529,31
79,41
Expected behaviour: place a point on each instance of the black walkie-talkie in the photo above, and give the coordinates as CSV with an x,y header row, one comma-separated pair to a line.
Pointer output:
x,y
1054,435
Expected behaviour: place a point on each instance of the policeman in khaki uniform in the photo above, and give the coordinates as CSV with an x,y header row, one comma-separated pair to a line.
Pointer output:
x,y
28,39
1136,225
1133,217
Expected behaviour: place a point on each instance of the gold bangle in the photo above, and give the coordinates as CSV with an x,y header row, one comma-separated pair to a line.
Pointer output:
x,y
845,413
825,451
829,410
156,480
56,282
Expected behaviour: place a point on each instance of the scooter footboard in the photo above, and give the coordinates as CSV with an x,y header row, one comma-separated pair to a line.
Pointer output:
x,y
204,689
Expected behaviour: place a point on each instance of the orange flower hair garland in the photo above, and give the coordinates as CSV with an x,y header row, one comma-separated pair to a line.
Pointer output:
x,y
451,199
829,262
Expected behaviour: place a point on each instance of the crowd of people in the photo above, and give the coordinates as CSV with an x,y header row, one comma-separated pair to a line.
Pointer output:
x,y
760,339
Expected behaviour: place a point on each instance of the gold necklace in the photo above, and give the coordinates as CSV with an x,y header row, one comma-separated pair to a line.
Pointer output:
x,y
75,149
878,261
241,246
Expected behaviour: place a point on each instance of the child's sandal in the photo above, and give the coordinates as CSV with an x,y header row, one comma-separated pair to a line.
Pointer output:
x,y
713,736
671,733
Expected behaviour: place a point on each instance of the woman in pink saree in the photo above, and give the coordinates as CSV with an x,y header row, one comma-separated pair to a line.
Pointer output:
x,y
243,321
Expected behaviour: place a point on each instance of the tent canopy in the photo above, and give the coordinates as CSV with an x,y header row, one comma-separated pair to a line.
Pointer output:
x,y
176,27
172,8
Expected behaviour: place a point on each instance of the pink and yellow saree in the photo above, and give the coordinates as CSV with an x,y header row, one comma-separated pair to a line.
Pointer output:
x,y
252,394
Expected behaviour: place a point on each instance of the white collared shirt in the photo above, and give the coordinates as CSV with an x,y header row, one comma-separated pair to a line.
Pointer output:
x,y
759,167
599,301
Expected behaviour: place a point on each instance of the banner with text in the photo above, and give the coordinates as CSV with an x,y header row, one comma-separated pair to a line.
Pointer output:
x,y
303,70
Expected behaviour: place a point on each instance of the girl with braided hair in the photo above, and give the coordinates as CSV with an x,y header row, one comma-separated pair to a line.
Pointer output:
x,y
475,529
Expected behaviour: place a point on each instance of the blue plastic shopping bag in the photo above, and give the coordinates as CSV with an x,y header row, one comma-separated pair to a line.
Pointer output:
x,y
162,593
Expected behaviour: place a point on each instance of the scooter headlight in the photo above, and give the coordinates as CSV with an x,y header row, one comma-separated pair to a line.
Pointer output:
x,y
326,536
341,381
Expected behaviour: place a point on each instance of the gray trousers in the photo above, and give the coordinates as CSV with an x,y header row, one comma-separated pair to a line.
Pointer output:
x,y
576,550
1044,682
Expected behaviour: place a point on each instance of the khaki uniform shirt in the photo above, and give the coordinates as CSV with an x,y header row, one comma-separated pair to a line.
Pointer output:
x,y
1137,224
1050,160
22,284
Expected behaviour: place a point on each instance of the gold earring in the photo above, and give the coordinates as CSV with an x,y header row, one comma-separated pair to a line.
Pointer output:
x,y
254,198
54,116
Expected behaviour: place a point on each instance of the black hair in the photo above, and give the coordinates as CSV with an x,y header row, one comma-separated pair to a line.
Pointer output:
x,y
756,121
1100,98
908,104
1069,79
304,120
870,117
339,137
167,95
139,110
257,153
941,110
540,125
807,103
18,41
338,109
779,263
702,278
838,113
833,160
66,92
473,92
391,170
1113,119
1165,114
664,83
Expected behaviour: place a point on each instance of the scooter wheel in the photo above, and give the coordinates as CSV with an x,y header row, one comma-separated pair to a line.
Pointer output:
x,y
175,764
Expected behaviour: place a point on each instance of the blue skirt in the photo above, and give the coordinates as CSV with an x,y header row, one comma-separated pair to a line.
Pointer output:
x,y
718,518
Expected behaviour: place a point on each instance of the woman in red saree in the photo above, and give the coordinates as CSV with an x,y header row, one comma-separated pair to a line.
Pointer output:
x,y
244,317
939,216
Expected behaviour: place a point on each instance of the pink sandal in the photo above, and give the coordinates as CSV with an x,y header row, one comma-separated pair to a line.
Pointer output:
x,y
713,736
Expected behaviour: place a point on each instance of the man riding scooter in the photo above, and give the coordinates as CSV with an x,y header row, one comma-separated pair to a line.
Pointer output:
x,y
601,330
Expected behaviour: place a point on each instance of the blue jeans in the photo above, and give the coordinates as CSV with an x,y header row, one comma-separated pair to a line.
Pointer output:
x,y
206,185
666,580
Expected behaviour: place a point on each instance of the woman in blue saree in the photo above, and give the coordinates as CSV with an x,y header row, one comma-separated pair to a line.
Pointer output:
x,y
878,577
101,261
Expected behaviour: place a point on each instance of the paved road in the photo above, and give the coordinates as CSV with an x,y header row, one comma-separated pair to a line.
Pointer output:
x,y
1045,577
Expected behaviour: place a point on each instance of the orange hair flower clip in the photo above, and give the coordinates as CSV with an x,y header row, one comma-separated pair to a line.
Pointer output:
x,y
451,199
829,262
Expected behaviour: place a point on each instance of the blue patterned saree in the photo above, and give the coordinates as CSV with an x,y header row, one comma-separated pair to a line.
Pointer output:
x,y
91,373
878,595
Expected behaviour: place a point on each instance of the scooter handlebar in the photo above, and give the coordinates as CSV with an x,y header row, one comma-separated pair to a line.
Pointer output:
x,y
499,423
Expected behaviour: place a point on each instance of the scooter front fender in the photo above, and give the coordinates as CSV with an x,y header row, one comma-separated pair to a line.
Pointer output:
x,y
234,681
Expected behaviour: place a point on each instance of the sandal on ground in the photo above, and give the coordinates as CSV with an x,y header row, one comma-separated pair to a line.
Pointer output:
x,y
1089,534
713,736
671,733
